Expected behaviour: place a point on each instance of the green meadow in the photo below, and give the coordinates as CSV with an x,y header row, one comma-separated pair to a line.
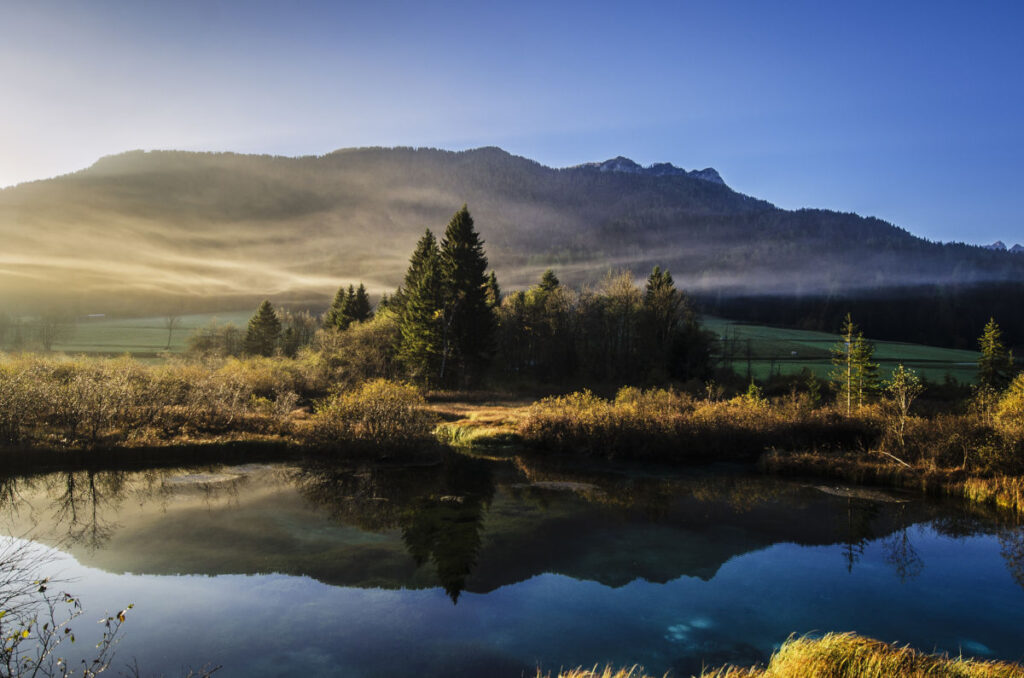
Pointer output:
x,y
771,349
142,337
788,351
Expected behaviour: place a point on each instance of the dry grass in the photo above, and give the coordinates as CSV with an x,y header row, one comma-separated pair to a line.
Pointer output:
x,y
838,655
597,672
484,423
671,426
1005,491
847,655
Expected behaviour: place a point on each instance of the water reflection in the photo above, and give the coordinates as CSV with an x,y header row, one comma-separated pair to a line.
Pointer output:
x,y
495,566
466,524
1011,542
439,509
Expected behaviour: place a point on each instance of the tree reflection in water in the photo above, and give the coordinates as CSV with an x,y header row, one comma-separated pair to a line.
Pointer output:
x,y
439,509
901,554
81,502
436,513
1011,546
859,529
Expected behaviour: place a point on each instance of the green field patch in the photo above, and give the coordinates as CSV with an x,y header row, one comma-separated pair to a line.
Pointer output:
x,y
781,350
146,336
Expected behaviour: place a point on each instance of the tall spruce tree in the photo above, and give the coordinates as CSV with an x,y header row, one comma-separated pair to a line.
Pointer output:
x,y
360,309
420,312
662,303
865,369
264,331
468,326
995,365
842,359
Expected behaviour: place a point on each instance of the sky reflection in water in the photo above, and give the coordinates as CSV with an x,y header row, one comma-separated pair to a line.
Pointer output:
x,y
312,569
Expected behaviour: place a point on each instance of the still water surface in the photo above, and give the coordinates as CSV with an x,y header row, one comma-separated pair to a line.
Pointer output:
x,y
475,566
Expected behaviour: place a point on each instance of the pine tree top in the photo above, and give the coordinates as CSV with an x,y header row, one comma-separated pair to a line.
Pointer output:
x,y
462,249
549,282
265,313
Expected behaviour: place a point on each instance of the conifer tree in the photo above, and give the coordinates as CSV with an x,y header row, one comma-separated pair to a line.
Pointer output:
x,y
421,315
662,303
995,366
264,331
856,375
360,309
468,319
842,359
426,245
865,369
493,291
549,281
339,315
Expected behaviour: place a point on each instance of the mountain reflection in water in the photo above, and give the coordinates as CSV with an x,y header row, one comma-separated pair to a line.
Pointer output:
x,y
470,525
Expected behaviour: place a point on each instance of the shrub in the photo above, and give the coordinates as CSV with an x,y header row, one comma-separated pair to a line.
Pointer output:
x,y
1010,408
668,425
17,401
379,412
362,352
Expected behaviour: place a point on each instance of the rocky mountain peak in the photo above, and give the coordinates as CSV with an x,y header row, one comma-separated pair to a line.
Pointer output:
x,y
659,169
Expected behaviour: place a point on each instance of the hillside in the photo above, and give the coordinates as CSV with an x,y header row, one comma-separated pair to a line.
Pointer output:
x,y
145,226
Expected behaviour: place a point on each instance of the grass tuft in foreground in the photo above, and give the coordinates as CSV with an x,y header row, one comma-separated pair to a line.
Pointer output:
x,y
606,672
841,655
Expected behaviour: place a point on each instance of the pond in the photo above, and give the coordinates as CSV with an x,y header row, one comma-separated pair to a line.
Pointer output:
x,y
470,566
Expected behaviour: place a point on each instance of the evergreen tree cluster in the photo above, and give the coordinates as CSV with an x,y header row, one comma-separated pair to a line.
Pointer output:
x,y
352,306
452,322
446,306
613,333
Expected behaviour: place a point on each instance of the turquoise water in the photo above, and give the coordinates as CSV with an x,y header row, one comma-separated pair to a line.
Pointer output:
x,y
471,567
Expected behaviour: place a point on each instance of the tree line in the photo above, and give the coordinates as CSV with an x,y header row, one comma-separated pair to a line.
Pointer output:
x,y
453,327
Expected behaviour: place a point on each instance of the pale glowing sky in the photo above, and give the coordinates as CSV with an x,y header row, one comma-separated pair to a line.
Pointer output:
x,y
912,114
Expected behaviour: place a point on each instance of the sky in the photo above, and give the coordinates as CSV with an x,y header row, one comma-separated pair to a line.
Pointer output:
x,y
907,111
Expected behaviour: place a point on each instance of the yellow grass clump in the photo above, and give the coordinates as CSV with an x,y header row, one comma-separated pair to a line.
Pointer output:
x,y
606,672
839,655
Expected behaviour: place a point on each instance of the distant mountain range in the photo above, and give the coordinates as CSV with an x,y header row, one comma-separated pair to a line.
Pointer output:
x,y
1000,246
229,228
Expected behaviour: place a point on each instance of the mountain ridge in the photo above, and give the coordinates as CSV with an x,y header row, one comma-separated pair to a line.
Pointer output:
x,y
228,225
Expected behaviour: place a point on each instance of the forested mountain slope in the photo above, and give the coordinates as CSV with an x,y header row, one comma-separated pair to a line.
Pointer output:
x,y
147,225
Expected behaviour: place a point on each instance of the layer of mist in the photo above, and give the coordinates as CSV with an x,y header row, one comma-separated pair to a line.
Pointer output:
x,y
143,228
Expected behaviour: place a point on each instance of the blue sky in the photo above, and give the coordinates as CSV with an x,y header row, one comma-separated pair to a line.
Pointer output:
x,y
909,111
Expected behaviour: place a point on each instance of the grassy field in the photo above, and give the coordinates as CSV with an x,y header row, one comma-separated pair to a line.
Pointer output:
x,y
789,351
784,351
142,337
